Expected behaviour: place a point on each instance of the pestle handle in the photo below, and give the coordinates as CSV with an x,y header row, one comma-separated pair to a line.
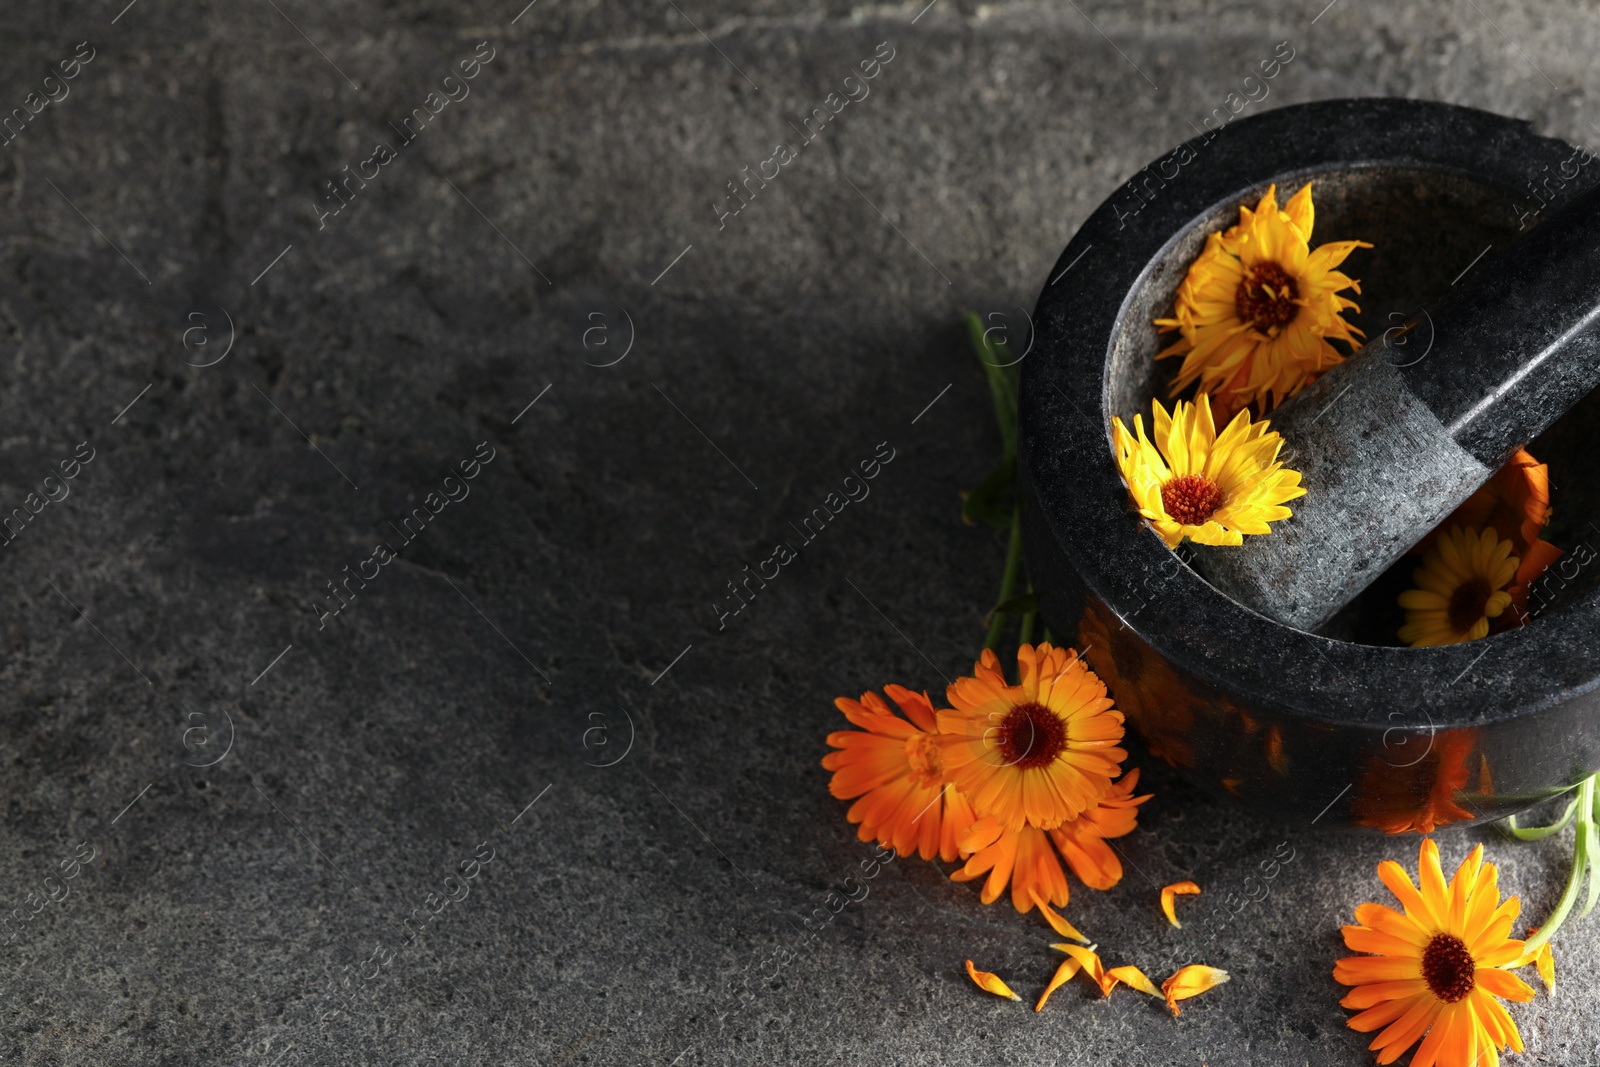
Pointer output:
x,y
1517,342
1387,452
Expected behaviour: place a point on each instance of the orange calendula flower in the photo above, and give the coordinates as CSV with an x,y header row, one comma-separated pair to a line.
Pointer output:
x,y
893,765
1401,793
1083,841
1021,857
1516,504
1025,858
990,983
1258,309
1169,895
1040,752
1191,981
1440,969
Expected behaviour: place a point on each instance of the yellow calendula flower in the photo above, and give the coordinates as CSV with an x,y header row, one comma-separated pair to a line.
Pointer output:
x,y
1192,482
1259,307
1461,586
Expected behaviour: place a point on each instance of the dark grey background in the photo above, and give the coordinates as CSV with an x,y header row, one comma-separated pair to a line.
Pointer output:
x,y
512,644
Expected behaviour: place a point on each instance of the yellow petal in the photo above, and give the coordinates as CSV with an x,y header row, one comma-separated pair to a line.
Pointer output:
x,y
1545,961
990,983
1134,977
1170,893
1191,981
1057,923
1063,975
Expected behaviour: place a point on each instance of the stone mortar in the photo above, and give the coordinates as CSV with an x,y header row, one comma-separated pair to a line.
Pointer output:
x,y
1325,727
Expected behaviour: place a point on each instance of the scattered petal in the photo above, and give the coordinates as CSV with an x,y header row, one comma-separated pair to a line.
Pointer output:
x,y
1133,976
1063,975
1093,969
1057,923
1191,981
990,983
1170,893
1545,961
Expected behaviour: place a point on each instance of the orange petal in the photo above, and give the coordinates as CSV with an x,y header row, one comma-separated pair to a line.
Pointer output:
x,y
990,983
1093,969
1134,977
1170,893
1057,923
1191,981
1502,984
1062,976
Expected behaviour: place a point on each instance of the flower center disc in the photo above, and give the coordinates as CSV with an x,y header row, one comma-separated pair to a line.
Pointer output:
x,y
1266,298
1031,736
1448,968
1467,604
1191,499
922,756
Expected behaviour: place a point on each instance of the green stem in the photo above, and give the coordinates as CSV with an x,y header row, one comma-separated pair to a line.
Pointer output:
x,y
1539,833
1514,798
1008,582
1027,623
1580,864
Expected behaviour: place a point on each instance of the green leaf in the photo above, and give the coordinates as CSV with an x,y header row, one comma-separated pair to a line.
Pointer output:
x,y
990,502
1026,604
1002,379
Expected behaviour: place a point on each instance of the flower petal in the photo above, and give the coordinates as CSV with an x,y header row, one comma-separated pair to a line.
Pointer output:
x,y
1133,976
1169,895
990,983
1063,975
1191,981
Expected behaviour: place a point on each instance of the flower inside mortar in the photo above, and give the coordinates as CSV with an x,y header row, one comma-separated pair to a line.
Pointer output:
x,y
1439,969
1461,585
1516,504
1193,482
1258,307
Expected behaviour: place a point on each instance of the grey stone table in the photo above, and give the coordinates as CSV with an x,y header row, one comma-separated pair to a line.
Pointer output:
x,y
546,281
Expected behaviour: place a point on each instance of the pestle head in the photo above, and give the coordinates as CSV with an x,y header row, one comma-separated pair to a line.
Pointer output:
x,y
1387,451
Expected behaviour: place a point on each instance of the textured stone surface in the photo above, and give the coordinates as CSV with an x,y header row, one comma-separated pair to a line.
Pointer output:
x,y
223,903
